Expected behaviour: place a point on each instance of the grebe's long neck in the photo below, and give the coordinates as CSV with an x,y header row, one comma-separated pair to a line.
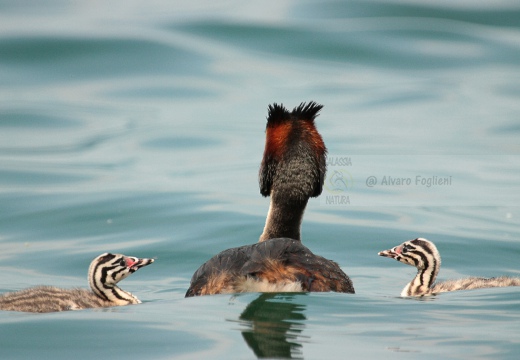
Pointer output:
x,y
283,219
293,167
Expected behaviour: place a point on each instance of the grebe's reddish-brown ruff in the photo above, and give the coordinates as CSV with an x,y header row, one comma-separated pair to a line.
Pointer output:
x,y
423,254
292,170
104,273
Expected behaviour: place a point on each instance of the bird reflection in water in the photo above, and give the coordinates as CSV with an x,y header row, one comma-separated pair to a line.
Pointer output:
x,y
273,324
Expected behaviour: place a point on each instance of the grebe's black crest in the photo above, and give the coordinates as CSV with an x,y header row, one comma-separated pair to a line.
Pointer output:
x,y
278,113
294,158
307,111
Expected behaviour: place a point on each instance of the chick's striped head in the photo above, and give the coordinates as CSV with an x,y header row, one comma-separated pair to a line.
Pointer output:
x,y
419,253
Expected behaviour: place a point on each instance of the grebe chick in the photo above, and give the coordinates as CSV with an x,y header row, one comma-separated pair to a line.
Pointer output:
x,y
292,170
104,273
423,254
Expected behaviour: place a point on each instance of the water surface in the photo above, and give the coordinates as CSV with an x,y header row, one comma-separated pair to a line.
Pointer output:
x,y
137,127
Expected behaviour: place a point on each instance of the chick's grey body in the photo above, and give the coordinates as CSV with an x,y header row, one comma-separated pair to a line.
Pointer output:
x,y
50,298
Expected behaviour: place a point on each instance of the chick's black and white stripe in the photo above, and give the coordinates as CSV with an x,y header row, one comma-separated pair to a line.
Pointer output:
x,y
105,272
108,271
426,259
423,254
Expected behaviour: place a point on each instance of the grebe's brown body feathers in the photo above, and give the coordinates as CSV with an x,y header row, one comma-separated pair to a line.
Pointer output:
x,y
273,265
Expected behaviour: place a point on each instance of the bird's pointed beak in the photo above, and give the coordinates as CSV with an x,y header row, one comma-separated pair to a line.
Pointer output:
x,y
135,263
390,253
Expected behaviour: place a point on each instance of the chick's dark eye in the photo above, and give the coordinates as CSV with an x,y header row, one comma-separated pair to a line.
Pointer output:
x,y
122,262
407,248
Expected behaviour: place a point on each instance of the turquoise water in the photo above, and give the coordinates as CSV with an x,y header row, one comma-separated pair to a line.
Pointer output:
x,y
137,127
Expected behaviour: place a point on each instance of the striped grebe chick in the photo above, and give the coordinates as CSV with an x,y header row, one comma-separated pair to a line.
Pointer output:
x,y
104,273
292,170
423,254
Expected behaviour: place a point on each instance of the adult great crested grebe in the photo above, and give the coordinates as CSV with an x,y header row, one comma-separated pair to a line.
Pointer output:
x,y
292,170
104,273
423,254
